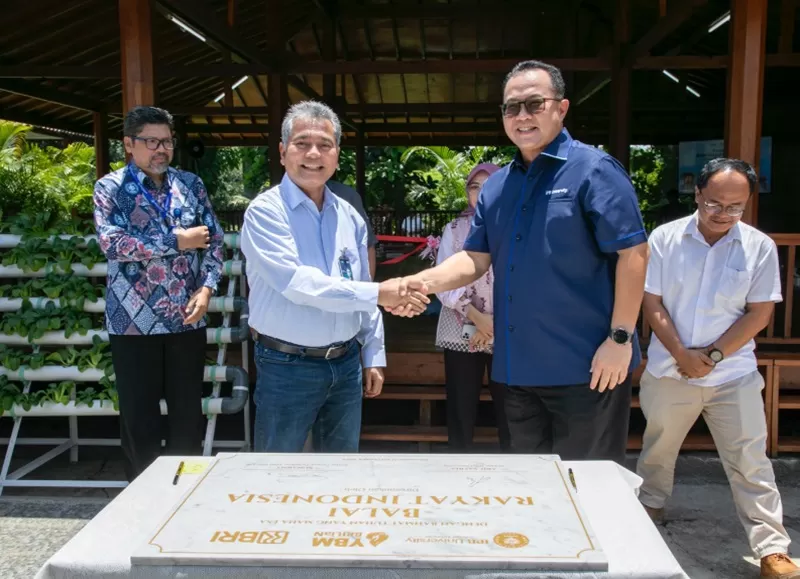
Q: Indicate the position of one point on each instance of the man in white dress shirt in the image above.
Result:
(313, 305)
(712, 283)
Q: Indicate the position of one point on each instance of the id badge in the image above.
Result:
(344, 266)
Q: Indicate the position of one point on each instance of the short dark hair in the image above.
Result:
(556, 78)
(724, 165)
(140, 116)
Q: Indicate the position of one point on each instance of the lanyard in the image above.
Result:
(164, 211)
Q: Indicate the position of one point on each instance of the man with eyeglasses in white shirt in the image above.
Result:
(712, 283)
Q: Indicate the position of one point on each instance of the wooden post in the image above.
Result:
(228, 98)
(329, 55)
(138, 81)
(786, 38)
(620, 129)
(361, 167)
(277, 97)
(101, 144)
(746, 87)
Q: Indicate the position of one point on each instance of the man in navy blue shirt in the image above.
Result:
(561, 227)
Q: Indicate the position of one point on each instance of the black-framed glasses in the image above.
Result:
(717, 208)
(153, 143)
(533, 105)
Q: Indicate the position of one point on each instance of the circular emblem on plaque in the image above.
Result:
(511, 540)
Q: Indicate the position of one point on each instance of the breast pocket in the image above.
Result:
(734, 285)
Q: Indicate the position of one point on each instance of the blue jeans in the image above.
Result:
(294, 393)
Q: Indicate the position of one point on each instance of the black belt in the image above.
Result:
(327, 352)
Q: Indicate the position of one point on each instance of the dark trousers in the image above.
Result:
(149, 368)
(572, 421)
(464, 373)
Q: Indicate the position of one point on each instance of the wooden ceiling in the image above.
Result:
(427, 71)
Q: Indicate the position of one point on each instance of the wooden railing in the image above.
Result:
(787, 254)
(412, 223)
(784, 312)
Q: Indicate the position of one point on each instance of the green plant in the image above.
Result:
(32, 323)
(34, 253)
(448, 175)
(14, 358)
(10, 393)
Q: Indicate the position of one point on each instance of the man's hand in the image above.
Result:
(404, 297)
(193, 238)
(610, 365)
(373, 382)
(479, 340)
(694, 363)
(197, 306)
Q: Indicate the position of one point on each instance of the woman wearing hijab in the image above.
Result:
(466, 333)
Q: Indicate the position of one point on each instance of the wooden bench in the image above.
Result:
(420, 377)
(783, 397)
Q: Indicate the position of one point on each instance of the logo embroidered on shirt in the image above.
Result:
(556, 192)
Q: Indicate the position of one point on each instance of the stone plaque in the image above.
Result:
(362, 510)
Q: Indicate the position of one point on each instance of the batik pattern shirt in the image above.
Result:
(150, 281)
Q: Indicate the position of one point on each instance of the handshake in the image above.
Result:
(404, 297)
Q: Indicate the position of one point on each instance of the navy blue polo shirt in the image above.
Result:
(553, 230)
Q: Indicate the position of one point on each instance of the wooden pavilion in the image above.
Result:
(404, 72)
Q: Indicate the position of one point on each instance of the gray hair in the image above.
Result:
(313, 111)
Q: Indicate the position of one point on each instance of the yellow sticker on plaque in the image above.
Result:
(194, 466)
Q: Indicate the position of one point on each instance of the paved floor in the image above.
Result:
(701, 529)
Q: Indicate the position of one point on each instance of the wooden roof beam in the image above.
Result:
(459, 11)
(51, 95)
(263, 128)
(217, 33)
(222, 70)
(680, 11)
(35, 120)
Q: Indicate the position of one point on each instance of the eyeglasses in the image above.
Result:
(533, 105)
(152, 143)
(716, 208)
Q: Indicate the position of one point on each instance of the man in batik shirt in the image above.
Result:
(164, 248)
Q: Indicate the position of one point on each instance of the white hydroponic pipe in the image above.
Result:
(215, 305)
(229, 268)
(99, 270)
(7, 241)
(226, 405)
(14, 304)
(55, 339)
(53, 373)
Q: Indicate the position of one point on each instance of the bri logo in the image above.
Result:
(552, 192)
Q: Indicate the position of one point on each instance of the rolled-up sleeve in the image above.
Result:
(370, 334)
(610, 201)
(652, 284)
(765, 285)
(271, 253)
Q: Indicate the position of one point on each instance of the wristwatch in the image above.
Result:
(620, 336)
(716, 355)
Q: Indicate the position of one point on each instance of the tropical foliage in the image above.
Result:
(36, 180)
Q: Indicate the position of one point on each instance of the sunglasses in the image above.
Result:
(533, 105)
(153, 144)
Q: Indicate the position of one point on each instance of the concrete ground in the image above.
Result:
(701, 529)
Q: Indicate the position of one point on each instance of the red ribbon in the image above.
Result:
(421, 242)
